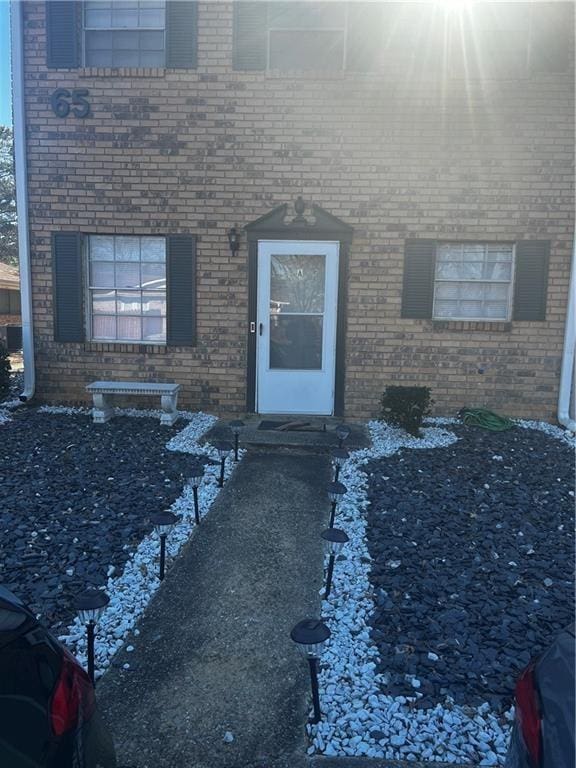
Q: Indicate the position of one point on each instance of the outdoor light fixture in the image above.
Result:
(335, 491)
(163, 524)
(196, 475)
(223, 451)
(339, 458)
(236, 427)
(90, 606)
(234, 239)
(309, 635)
(334, 539)
(342, 433)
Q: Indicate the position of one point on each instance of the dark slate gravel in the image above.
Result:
(473, 561)
(78, 495)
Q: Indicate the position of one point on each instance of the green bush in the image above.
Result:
(406, 407)
(5, 369)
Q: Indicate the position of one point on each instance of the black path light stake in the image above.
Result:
(236, 427)
(334, 539)
(335, 491)
(309, 635)
(196, 475)
(90, 606)
(223, 451)
(163, 523)
(339, 457)
(342, 433)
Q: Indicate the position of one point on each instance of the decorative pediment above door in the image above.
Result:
(299, 221)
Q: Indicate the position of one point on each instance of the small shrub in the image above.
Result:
(5, 369)
(406, 407)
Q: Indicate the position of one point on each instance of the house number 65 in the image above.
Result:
(64, 101)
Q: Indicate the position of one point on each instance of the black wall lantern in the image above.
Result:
(234, 239)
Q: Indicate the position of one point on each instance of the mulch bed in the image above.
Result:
(473, 560)
(75, 499)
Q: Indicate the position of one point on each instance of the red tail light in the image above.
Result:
(73, 699)
(528, 714)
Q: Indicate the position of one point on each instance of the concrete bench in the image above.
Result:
(101, 392)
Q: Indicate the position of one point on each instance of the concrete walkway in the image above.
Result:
(214, 652)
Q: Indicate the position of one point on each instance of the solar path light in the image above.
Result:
(342, 433)
(196, 475)
(223, 451)
(309, 635)
(90, 605)
(335, 492)
(339, 457)
(334, 540)
(163, 524)
(236, 427)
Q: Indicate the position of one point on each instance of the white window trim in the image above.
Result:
(510, 283)
(119, 29)
(343, 29)
(88, 314)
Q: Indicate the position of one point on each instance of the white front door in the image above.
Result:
(296, 326)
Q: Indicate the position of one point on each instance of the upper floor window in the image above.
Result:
(121, 33)
(487, 40)
(305, 35)
(292, 35)
(124, 33)
(473, 281)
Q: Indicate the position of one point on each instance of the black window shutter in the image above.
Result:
(250, 32)
(62, 49)
(68, 288)
(418, 287)
(531, 279)
(364, 36)
(181, 290)
(181, 34)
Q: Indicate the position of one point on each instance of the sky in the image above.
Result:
(5, 99)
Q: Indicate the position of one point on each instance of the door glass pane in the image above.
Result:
(296, 342)
(297, 284)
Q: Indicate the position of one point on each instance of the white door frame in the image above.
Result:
(296, 391)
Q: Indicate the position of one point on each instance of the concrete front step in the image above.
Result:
(321, 439)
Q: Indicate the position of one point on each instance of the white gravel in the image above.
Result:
(131, 591)
(359, 719)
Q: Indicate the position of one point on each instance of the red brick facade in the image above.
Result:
(392, 155)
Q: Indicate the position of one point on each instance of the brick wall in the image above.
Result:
(393, 156)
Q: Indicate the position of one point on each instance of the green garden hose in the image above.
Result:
(480, 417)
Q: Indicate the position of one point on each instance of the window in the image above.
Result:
(307, 36)
(304, 35)
(124, 33)
(473, 281)
(9, 302)
(127, 288)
